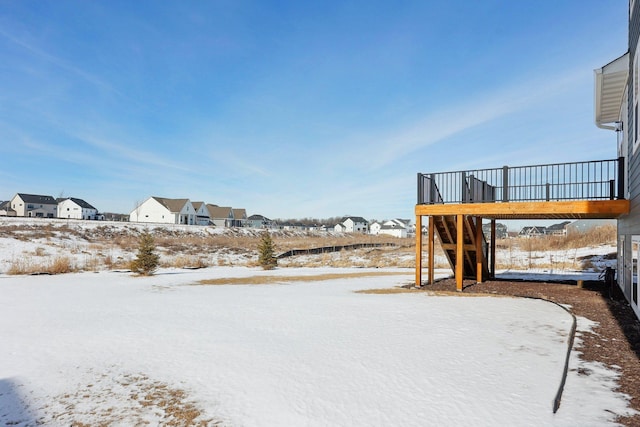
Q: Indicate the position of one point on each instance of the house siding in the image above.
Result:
(629, 225)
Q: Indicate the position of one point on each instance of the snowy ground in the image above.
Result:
(111, 348)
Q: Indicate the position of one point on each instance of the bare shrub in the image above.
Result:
(60, 265)
(185, 261)
(108, 262)
(20, 266)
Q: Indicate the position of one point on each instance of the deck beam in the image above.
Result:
(573, 209)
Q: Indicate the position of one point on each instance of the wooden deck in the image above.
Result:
(566, 209)
(459, 227)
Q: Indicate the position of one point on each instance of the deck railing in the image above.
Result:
(592, 180)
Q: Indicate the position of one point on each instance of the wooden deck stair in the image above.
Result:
(446, 228)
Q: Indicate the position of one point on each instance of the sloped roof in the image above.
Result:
(79, 202)
(530, 229)
(173, 205)
(354, 219)
(197, 205)
(558, 227)
(239, 213)
(37, 198)
(258, 218)
(219, 211)
(6, 206)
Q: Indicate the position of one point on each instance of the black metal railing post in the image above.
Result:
(505, 183)
(621, 175)
(420, 187)
(432, 189)
(463, 187)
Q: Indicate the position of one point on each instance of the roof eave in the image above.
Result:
(610, 84)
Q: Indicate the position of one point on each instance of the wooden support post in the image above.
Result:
(492, 269)
(479, 254)
(418, 250)
(460, 252)
(431, 249)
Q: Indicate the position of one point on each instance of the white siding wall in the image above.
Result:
(203, 213)
(152, 211)
(70, 209)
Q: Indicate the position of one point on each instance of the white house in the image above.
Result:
(352, 224)
(165, 211)
(76, 209)
(34, 205)
(395, 227)
(374, 228)
(202, 213)
(220, 216)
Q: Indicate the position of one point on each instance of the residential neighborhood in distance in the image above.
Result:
(162, 210)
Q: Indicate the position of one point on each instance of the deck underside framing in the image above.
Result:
(575, 209)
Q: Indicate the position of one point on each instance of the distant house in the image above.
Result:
(239, 217)
(202, 213)
(220, 216)
(502, 232)
(111, 216)
(5, 209)
(74, 208)
(532, 231)
(259, 221)
(34, 205)
(374, 228)
(395, 227)
(165, 211)
(557, 229)
(352, 224)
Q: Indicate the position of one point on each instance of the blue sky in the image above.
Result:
(293, 109)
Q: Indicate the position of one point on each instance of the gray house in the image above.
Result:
(616, 108)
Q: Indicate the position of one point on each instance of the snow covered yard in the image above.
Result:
(106, 347)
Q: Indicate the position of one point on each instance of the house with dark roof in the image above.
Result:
(532, 231)
(352, 224)
(559, 229)
(165, 211)
(34, 205)
(75, 208)
(259, 221)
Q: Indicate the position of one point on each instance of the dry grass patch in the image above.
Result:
(263, 280)
(58, 265)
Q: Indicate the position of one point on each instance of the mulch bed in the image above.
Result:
(616, 340)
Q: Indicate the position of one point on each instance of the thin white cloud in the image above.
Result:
(454, 119)
(94, 80)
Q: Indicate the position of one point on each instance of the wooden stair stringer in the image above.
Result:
(446, 228)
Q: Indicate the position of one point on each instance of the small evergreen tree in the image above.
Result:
(266, 251)
(147, 260)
